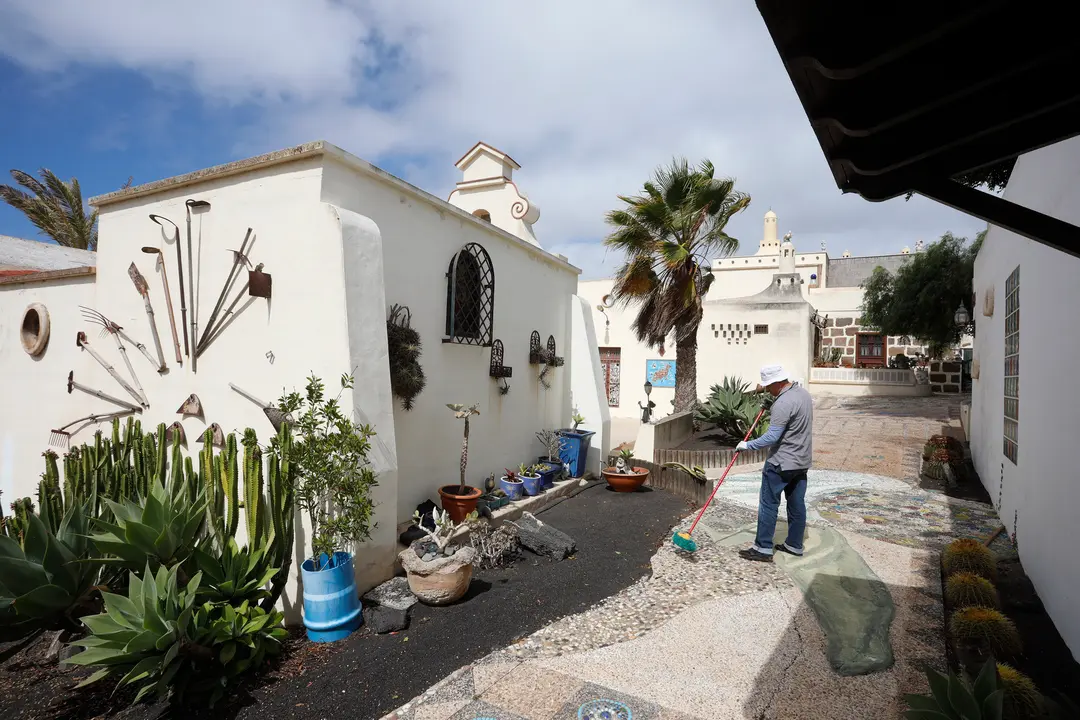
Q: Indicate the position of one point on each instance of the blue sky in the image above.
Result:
(589, 98)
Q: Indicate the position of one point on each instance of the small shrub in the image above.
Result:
(1023, 701)
(971, 556)
(495, 547)
(969, 590)
(987, 628)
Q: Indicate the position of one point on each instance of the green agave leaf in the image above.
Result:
(987, 681)
(961, 699)
(256, 625)
(22, 576)
(143, 692)
(92, 641)
(146, 640)
(44, 601)
(130, 556)
(922, 702)
(993, 705)
(36, 540)
(99, 675)
(104, 626)
(166, 544)
(208, 565)
(279, 633)
(228, 650)
(171, 654)
(10, 549)
(101, 656)
(141, 536)
(122, 610)
(925, 715)
(153, 512)
(939, 686)
(142, 670)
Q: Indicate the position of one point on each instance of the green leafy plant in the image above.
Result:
(577, 419)
(529, 471)
(159, 640)
(444, 527)
(829, 357)
(464, 413)
(403, 344)
(969, 555)
(696, 472)
(985, 628)
(1023, 701)
(236, 575)
(46, 580)
(969, 590)
(732, 408)
(952, 698)
(333, 477)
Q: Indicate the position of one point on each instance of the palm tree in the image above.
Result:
(55, 207)
(669, 235)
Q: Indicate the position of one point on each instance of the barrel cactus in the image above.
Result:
(969, 555)
(986, 628)
(1023, 701)
(964, 589)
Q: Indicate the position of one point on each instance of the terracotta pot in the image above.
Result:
(459, 506)
(625, 483)
(440, 581)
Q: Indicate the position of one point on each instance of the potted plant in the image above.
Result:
(530, 475)
(512, 485)
(623, 477)
(461, 499)
(551, 462)
(438, 573)
(574, 450)
(333, 487)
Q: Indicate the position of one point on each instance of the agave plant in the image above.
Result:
(46, 580)
(159, 640)
(954, 699)
(235, 575)
(732, 408)
(162, 530)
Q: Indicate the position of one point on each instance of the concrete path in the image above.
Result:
(709, 636)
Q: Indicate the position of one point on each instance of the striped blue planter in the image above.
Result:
(331, 600)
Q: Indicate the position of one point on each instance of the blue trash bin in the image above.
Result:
(331, 600)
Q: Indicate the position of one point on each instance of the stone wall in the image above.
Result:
(841, 332)
(945, 376)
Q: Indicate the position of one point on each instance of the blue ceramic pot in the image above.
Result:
(331, 600)
(513, 490)
(547, 476)
(532, 484)
(575, 450)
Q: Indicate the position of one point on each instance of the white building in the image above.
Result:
(343, 241)
(1025, 404)
(776, 305)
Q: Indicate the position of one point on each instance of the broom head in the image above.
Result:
(683, 541)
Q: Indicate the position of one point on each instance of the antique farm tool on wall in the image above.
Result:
(212, 333)
(176, 430)
(168, 300)
(217, 436)
(188, 205)
(259, 282)
(180, 272)
(273, 414)
(144, 290)
(83, 343)
(60, 438)
(239, 257)
(108, 326)
(72, 385)
(191, 406)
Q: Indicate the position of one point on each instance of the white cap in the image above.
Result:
(771, 374)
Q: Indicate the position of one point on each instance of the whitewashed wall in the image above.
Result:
(1036, 496)
(34, 389)
(533, 291)
(747, 275)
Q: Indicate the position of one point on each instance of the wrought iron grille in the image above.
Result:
(470, 297)
(535, 355)
(497, 369)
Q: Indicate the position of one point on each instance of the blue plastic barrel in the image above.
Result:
(331, 600)
(574, 450)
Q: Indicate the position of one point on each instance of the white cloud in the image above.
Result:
(588, 97)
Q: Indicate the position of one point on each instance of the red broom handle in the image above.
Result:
(724, 476)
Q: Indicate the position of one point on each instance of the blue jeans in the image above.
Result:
(792, 483)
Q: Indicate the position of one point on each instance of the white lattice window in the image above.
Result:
(1010, 444)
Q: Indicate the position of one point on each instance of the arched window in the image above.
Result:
(482, 214)
(470, 297)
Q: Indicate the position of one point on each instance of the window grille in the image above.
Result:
(470, 297)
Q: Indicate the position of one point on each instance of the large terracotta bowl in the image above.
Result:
(625, 483)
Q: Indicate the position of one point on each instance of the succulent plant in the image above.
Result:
(47, 580)
(235, 575)
(696, 472)
(1023, 701)
(986, 628)
(965, 589)
(971, 556)
(952, 698)
(159, 640)
(403, 343)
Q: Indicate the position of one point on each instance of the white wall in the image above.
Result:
(34, 389)
(533, 291)
(747, 275)
(588, 392)
(1036, 497)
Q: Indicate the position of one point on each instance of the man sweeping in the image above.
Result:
(790, 435)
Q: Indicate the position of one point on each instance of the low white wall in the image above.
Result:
(588, 392)
(1034, 496)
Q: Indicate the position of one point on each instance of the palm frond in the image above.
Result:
(54, 207)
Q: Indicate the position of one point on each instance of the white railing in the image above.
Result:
(862, 376)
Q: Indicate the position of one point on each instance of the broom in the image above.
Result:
(682, 540)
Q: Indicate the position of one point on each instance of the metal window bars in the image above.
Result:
(470, 297)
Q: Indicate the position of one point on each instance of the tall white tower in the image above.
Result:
(787, 256)
(770, 245)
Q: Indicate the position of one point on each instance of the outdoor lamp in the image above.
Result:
(961, 318)
(648, 388)
(646, 409)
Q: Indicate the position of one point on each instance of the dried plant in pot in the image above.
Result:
(439, 573)
(623, 476)
(461, 499)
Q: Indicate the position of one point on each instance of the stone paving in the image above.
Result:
(711, 636)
